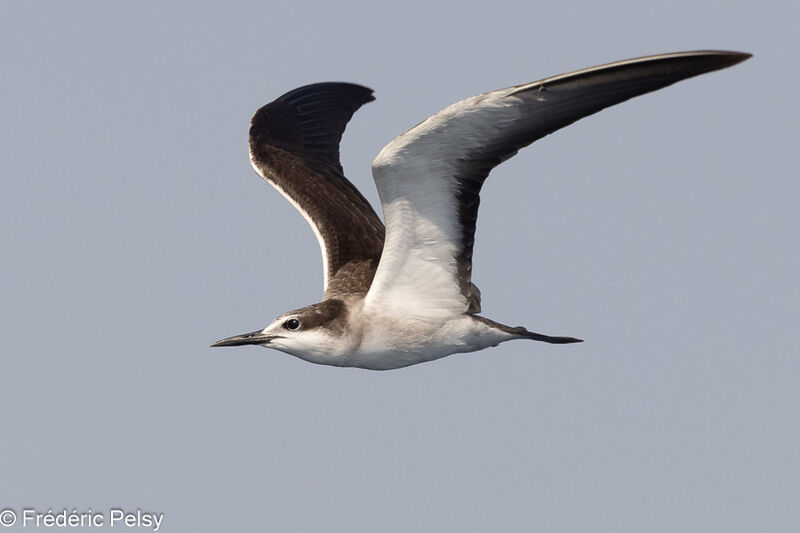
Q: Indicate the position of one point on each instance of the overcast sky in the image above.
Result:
(663, 231)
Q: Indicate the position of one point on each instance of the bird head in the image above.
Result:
(313, 333)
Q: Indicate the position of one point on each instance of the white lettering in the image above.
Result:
(76, 519)
(115, 515)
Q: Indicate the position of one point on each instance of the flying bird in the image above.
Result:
(403, 294)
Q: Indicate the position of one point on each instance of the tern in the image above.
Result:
(403, 294)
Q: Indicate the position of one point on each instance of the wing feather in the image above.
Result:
(430, 177)
(294, 146)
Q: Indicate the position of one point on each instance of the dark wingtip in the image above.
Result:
(341, 90)
(702, 61)
(309, 120)
(729, 58)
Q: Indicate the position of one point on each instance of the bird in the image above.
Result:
(402, 294)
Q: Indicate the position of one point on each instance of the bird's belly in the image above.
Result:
(409, 344)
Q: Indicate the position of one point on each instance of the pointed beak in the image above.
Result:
(254, 337)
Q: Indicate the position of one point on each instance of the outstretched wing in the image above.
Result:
(294, 146)
(429, 178)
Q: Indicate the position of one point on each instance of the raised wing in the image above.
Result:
(429, 178)
(294, 146)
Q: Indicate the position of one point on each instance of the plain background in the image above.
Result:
(663, 231)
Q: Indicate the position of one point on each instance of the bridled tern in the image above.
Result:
(403, 294)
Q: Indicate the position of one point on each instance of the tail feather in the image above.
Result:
(547, 338)
(524, 333)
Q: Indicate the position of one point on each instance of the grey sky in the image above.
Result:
(663, 231)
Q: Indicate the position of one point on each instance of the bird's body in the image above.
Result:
(403, 294)
(382, 342)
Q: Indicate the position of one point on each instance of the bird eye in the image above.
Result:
(292, 324)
